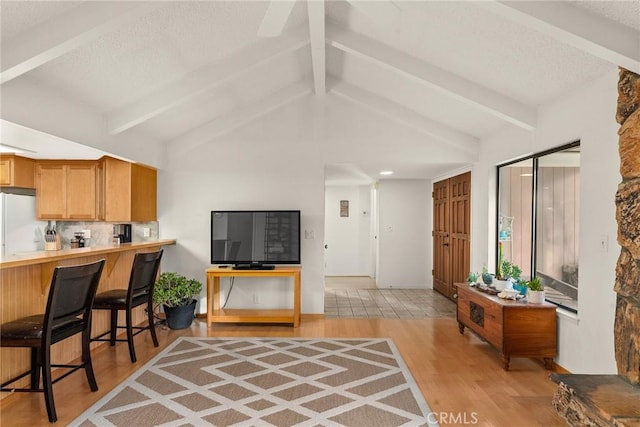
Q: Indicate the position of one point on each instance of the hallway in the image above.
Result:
(358, 298)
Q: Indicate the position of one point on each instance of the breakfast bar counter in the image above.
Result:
(24, 286)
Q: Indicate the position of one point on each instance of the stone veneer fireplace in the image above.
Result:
(595, 400)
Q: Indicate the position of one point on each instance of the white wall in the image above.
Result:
(349, 238)
(404, 235)
(272, 164)
(586, 341)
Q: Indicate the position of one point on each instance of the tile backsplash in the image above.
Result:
(102, 232)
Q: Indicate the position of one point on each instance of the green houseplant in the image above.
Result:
(178, 295)
(505, 271)
(536, 291)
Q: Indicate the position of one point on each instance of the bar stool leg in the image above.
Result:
(47, 385)
(35, 367)
(132, 350)
(86, 360)
(152, 324)
(114, 327)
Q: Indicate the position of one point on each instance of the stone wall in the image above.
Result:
(627, 322)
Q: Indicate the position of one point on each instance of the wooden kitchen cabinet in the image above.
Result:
(16, 171)
(67, 190)
(130, 191)
(514, 328)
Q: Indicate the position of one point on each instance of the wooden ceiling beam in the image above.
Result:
(463, 90)
(576, 27)
(410, 118)
(381, 12)
(61, 34)
(275, 18)
(204, 79)
(233, 120)
(315, 9)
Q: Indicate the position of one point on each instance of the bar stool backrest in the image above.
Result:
(71, 296)
(143, 274)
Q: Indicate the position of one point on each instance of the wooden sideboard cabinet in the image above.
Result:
(514, 328)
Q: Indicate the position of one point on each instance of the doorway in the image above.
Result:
(349, 236)
(451, 232)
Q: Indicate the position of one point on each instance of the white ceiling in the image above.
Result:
(454, 71)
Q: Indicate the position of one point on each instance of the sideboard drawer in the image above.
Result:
(482, 317)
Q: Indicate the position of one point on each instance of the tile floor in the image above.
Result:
(386, 303)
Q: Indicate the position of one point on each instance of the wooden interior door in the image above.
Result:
(441, 260)
(451, 232)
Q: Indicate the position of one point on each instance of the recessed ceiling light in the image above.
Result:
(386, 173)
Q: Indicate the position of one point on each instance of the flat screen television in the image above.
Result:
(255, 239)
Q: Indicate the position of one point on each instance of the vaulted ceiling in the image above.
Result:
(452, 71)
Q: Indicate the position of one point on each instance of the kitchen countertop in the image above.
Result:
(42, 257)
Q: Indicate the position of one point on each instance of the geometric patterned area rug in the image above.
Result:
(267, 382)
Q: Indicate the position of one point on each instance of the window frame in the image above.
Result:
(534, 204)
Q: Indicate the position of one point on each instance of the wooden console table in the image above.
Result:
(514, 328)
(217, 314)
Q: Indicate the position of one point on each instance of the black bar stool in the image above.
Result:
(140, 291)
(68, 313)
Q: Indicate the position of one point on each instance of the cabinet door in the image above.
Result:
(5, 171)
(16, 171)
(51, 189)
(81, 191)
(143, 193)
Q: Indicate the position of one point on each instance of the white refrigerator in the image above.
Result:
(19, 232)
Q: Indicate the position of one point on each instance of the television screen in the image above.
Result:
(255, 237)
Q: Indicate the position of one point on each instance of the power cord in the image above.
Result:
(232, 281)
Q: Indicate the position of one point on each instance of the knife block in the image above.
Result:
(53, 246)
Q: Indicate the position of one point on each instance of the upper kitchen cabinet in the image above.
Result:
(130, 191)
(16, 171)
(68, 189)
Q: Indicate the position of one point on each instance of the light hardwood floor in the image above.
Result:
(459, 375)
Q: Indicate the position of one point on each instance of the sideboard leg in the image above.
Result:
(505, 362)
(548, 363)
(461, 327)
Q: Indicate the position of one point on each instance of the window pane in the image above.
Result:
(558, 199)
(515, 212)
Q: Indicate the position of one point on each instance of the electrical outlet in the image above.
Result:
(309, 234)
(146, 232)
(256, 299)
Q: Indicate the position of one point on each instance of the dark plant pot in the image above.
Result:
(180, 317)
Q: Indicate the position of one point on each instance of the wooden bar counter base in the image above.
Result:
(24, 286)
(217, 314)
(514, 328)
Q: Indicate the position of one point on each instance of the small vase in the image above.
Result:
(535, 297)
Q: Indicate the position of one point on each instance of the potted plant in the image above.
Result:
(506, 271)
(536, 291)
(520, 285)
(178, 296)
